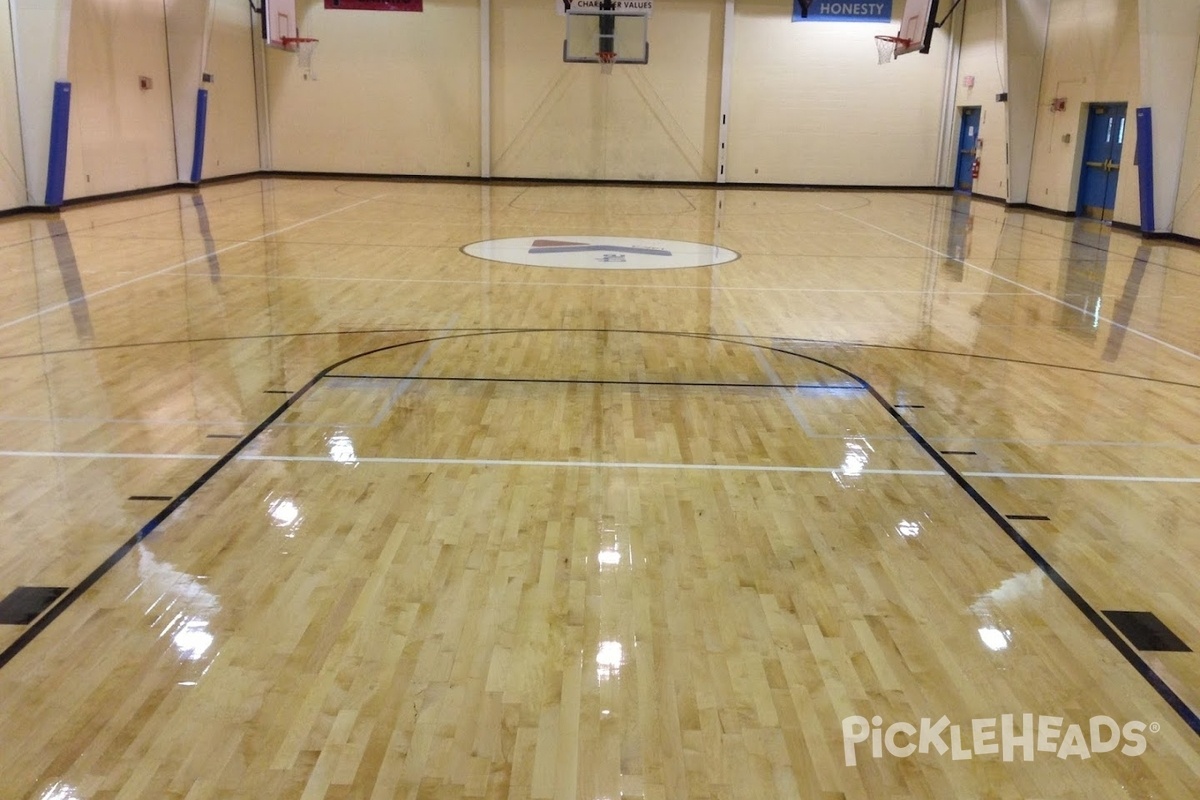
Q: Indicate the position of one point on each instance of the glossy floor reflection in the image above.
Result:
(342, 511)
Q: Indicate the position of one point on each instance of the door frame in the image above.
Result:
(1085, 122)
(958, 143)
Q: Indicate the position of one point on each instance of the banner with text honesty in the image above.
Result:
(843, 11)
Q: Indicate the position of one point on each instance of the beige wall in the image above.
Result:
(811, 103)
(121, 137)
(1187, 210)
(1091, 57)
(399, 93)
(231, 141)
(653, 122)
(12, 159)
(396, 92)
(982, 58)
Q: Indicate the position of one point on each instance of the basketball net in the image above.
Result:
(886, 45)
(305, 50)
(606, 62)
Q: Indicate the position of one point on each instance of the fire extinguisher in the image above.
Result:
(975, 168)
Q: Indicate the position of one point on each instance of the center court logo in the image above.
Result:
(600, 252)
(989, 737)
(540, 246)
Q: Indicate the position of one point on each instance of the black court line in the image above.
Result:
(276, 391)
(32, 632)
(224, 436)
(1177, 704)
(906, 405)
(982, 357)
(149, 497)
(603, 382)
(785, 339)
(959, 453)
(1032, 517)
(1156, 682)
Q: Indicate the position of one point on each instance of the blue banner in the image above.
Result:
(843, 11)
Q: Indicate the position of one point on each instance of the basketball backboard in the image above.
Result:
(916, 26)
(279, 23)
(616, 37)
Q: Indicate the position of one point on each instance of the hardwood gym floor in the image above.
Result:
(307, 502)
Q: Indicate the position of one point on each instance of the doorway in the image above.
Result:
(964, 177)
(1101, 160)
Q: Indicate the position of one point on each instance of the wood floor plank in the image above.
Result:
(664, 539)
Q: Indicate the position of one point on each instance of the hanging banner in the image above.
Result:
(843, 11)
(375, 5)
(623, 6)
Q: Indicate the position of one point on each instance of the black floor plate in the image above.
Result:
(25, 603)
(1146, 631)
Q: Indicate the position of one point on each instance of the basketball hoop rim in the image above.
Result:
(895, 40)
(290, 40)
(606, 57)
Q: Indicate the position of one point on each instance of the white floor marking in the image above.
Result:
(1059, 477)
(501, 462)
(202, 257)
(131, 456)
(581, 285)
(1029, 289)
(773, 376)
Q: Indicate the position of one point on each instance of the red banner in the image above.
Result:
(375, 5)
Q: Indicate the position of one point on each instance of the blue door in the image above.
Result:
(968, 134)
(1101, 160)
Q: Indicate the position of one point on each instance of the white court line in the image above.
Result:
(773, 376)
(519, 284)
(131, 456)
(1029, 289)
(241, 423)
(500, 462)
(1059, 477)
(156, 273)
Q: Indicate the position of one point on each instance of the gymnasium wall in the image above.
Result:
(396, 92)
(12, 158)
(231, 140)
(1091, 57)
(1187, 211)
(121, 137)
(982, 58)
(811, 104)
(399, 93)
(654, 122)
